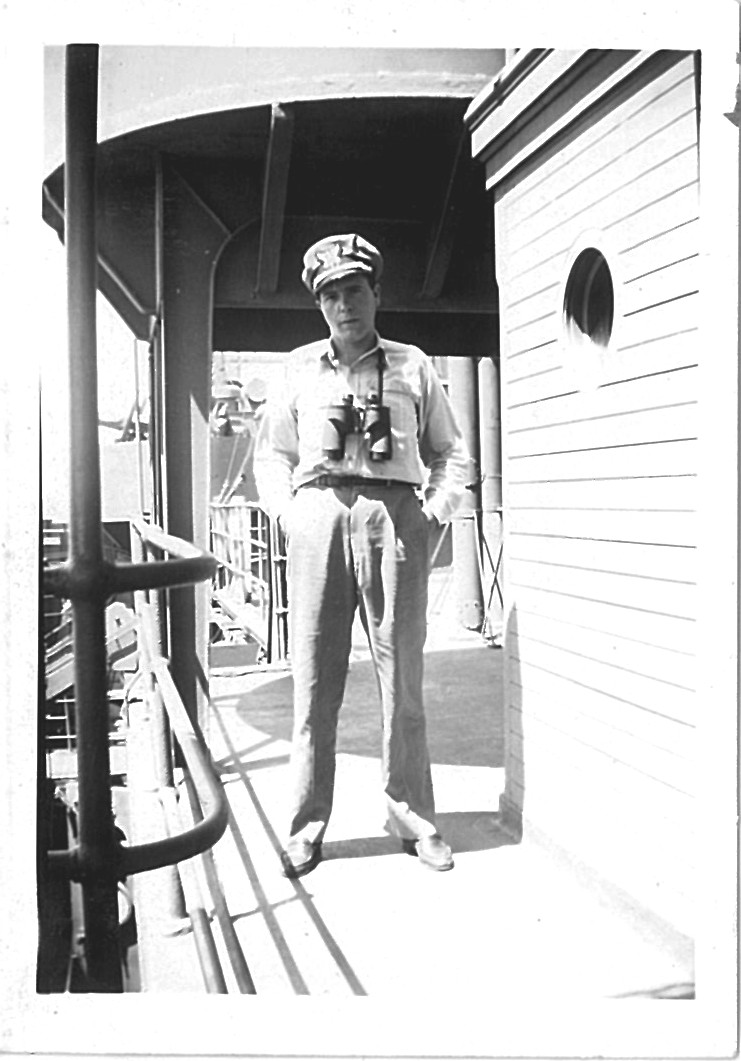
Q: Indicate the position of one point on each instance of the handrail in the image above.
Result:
(87, 579)
(206, 832)
(242, 974)
(237, 525)
(75, 863)
(203, 937)
(191, 564)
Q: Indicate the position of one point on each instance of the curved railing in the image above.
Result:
(211, 795)
(186, 564)
(88, 580)
(189, 565)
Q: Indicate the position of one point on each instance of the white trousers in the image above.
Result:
(368, 548)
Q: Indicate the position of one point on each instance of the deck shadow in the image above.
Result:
(464, 830)
(463, 707)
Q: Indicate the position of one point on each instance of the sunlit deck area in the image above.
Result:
(513, 919)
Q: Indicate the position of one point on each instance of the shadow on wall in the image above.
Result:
(512, 801)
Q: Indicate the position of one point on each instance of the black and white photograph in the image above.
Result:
(371, 534)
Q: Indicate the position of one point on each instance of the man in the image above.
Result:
(339, 474)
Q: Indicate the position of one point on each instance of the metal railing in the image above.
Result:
(190, 565)
(490, 557)
(250, 583)
(207, 803)
(98, 860)
(96, 864)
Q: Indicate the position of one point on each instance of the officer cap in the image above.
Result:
(336, 256)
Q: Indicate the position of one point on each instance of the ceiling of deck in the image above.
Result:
(275, 177)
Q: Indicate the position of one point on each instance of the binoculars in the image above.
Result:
(345, 418)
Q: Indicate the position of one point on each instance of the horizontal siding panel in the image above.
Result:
(641, 241)
(543, 751)
(611, 429)
(643, 392)
(668, 666)
(538, 308)
(628, 138)
(617, 788)
(656, 180)
(667, 191)
(534, 357)
(614, 191)
(581, 720)
(663, 339)
(659, 492)
(632, 138)
(673, 209)
(640, 211)
(642, 250)
(538, 385)
(526, 359)
(666, 342)
(679, 457)
(641, 722)
(533, 330)
(641, 842)
(651, 322)
(649, 629)
(540, 313)
(600, 466)
(540, 318)
(653, 562)
(661, 284)
(651, 595)
(533, 272)
(659, 528)
(661, 110)
(533, 302)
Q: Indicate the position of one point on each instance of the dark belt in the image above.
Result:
(354, 480)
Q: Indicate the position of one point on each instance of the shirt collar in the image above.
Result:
(329, 355)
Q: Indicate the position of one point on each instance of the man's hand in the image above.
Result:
(432, 520)
(282, 520)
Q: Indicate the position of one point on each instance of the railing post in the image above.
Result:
(464, 398)
(161, 733)
(491, 487)
(96, 838)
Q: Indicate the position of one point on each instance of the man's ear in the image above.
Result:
(377, 293)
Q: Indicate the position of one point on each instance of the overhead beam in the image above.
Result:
(119, 292)
(441, 248)
(277, 165)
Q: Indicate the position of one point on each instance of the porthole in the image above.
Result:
(589, 300)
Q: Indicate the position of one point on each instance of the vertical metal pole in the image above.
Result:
(156, 395)
(138, 429)
(100, 901)
(464, 398)
(159, 732)
(491, 478)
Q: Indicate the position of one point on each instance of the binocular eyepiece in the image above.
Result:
(345, 418)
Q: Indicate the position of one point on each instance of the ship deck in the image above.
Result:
(514, 918)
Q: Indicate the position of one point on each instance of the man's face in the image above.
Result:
(349, 306)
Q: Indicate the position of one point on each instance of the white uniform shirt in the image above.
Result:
(427, 445)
